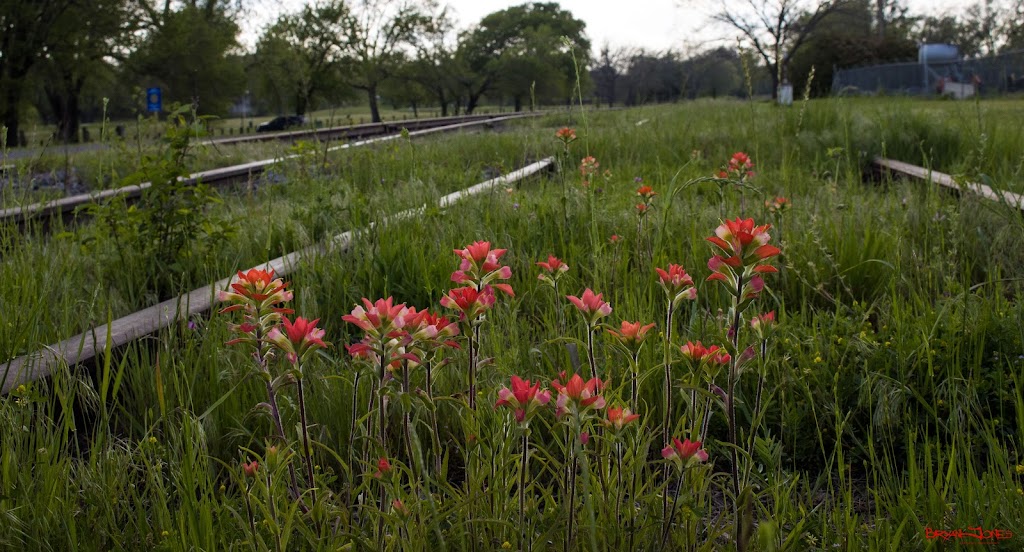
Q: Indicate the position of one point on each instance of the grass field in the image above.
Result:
(878, 409)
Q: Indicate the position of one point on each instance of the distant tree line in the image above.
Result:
(59, 59)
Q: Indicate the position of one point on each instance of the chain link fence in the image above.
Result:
(999, 74)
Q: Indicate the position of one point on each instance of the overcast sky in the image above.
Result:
(653, 24)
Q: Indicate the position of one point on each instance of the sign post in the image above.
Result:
(154, 102)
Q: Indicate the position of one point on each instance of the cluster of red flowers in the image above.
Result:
(258, 294)
(777, 205)
(740, 167)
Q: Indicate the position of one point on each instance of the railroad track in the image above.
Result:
(67, 206)
(348, 132)
(88, 346)
(948, 182)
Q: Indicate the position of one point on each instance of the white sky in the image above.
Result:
(653, 24)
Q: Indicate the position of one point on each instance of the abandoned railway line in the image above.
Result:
(361, 135)
(86, 347)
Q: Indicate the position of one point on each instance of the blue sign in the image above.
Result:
(153, 101)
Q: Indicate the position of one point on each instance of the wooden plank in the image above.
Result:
(950, 183)
(213, 176)
(90, 344)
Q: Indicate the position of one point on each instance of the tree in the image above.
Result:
(714, 73)
(301, 55)
(436, 68)
(191, 53)
(376, 31)
(27, 29)
(608, 68)
(1013, 26)
(777, 29)
(520, 47)
(76, 54)
(653, 77)
(845, 38)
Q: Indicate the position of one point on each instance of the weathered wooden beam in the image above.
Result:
(946, 181)
(92, 343)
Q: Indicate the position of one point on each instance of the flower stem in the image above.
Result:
(275, 413)
(474, 336)
(352, 438)
(572, 500)
(668, 525)
(405, 420)
(634, 370)
(667, 424)
(248, 514)
(731, 407)
(590, 352)
(523, 470)
(433, 419)
(307, 455)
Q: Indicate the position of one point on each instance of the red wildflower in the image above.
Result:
(523, 398)
(588, 166)
(250, 468)
(619, 417)
(468, 301)
(480, 266)
(591, 306)
(646, 192)
(700, 355)
(566, 135)
(383, 467)
(298, 338)
(578, 393)
(631, 334)
(682, 452)
(777, 205)
(553, 264)
(678, 285)
(379, 318)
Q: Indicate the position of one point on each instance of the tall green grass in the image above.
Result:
(894, 399)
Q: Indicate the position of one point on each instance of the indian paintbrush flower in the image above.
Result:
(591, 306)
(777, 205)
(383, 467)
(578, 394)
(468, 301)
(701, 356)
(619, 417)
(524, 399)
(740, 167)
(678, 285)
(566, 135)
(480, 267)
(684, 453)
(554, 268)
(631, 334)
(298, 339)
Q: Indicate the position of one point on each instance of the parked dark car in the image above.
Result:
(281, 123)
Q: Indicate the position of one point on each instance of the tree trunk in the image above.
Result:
(415, 111)
(64, 102)
(442, 100)
(371, 92)
(474, 99)
(518, 102)
(9, 115)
